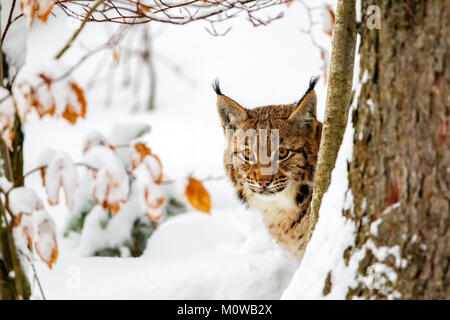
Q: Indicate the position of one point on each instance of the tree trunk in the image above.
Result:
(13, 281)
(147, 56)
(338, 102)
(399, 175)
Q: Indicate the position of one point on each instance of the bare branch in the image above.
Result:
(209, 178)
(77, 32)
(35, 275)
(9, 22)
(183, 12)
(309, 32)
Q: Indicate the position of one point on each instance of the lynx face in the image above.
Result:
(272, 151)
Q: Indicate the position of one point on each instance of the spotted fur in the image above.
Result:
(285, 199)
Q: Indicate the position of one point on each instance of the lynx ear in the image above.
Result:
(230, 112)
(304, 112)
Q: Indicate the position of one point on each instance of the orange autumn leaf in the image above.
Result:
(160, 176)
(329, 22)
(197, 195)
(7, 115)
(33, 97)
(332, 17)
(153, 210)
(44, 16)
(144, 8)
(111, 181)
(7, 136)
(53, 257)
(142, 151)
(288, 2)
(59, 173)
(27, 233)
(42, 93)
(113, 206)
(36, 8)
(42, 171)
(80, 97)
(18, 220)
(138, 156)
(116, 56)
(26, 230)
(45, 244)
(71, 113)
(323, 56)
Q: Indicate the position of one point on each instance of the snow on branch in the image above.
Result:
(34, 229)
(45, 91)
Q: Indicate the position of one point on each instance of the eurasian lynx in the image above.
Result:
(280, 188)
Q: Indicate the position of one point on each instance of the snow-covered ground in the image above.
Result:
(229, 253)
(193, 256)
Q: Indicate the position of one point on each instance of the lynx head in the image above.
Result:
(272, 150)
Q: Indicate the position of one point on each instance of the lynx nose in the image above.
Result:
(264, 182)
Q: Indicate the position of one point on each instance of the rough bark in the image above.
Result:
(338, 101)
(17, 286)
(13, 281)
(400, 167)
(6, 290)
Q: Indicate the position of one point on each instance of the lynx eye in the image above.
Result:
(248, 155)
(283, 153)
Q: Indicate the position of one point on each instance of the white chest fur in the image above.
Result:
(281, 216)
(273, 206)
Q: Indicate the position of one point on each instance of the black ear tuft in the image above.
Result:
(312, 84)
(304, 111)
(230, 112)
(216, 86)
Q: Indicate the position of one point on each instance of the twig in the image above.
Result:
(133, 12)
(35, 275)
(13, 4)
(214, 32)
(115, 38)
(148, 56)
(81, 164)
(309, 32)
(121, 146)
(77, 164)
(77, 32)
(210, 178)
